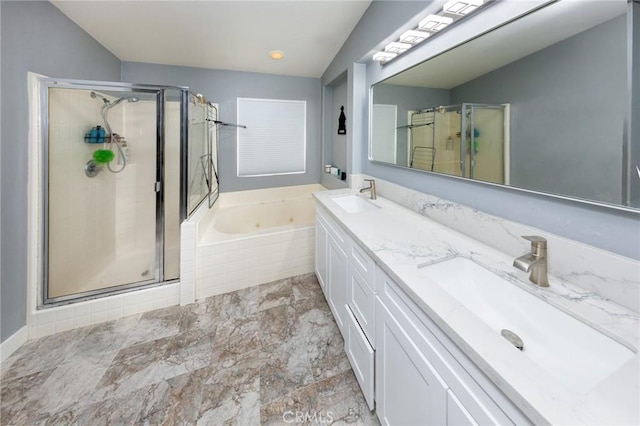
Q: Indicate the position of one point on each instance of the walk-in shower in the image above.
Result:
(115, 169)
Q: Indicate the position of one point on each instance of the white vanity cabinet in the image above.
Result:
(337, 284)
(360, 339)
(406, 366)
(346, 274)
(331, 265)
(422, 377)
(409, 390)
(322, 251)
(361, 297)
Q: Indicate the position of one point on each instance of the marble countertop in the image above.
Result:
(400, 240)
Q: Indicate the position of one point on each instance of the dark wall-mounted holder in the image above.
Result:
(342, 122)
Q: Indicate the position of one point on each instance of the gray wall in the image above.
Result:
(223, 88)
(408, 98)
(568, 104)
(609, 229)
(36, 37)
(380, 20)
(334, 146)
(339, 151)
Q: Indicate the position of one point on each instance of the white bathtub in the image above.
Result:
(254, 237)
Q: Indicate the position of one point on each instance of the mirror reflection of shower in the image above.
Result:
(109, 139)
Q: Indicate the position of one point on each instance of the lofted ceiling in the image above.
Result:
(231, 35)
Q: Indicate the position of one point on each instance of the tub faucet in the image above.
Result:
(371, 187)
(535, 261)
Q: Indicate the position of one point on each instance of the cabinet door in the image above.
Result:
(408, 389)
(337, 283)
(467, 399)
(322, 248)
(457, 414)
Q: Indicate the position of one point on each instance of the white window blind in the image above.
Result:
(274, 141)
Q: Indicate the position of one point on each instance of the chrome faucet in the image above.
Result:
(371, 187)
(535, 261)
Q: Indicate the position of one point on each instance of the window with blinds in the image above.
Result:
(274, 142)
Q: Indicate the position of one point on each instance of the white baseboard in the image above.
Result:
(13, 343)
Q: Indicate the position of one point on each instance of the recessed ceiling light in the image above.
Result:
(434, 22)
(276, 54)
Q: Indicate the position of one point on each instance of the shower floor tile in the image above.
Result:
(270, 354)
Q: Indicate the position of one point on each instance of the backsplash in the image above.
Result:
(607, 274)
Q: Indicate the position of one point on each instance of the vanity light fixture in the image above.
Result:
(397, 47)
(434, 23)
(461, 7)
(384, 56)
(414, 36)
(452, 11)
(276, 54)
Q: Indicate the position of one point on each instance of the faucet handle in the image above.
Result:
(537, 243)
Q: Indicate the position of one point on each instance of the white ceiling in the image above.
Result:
(509, 43)
(231, 35)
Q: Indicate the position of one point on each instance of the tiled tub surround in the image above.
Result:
(399, 240)
(252, 237)
(261, 355)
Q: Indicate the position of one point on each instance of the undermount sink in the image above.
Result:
(354, 204)
(573, 352)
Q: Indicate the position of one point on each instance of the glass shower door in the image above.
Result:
(484, 142)
(101, 209)
(199, 153)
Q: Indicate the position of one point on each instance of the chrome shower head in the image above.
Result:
(127, 98)
(117, 101)
(106, 101)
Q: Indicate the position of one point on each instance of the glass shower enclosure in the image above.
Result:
(115, 172)
(468, 140)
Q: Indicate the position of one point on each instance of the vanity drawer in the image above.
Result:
(364, 264)
(361, 356)
(362, 302)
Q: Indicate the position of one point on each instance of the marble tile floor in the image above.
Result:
(269, 355)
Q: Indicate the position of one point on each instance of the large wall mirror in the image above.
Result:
(540, 103)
